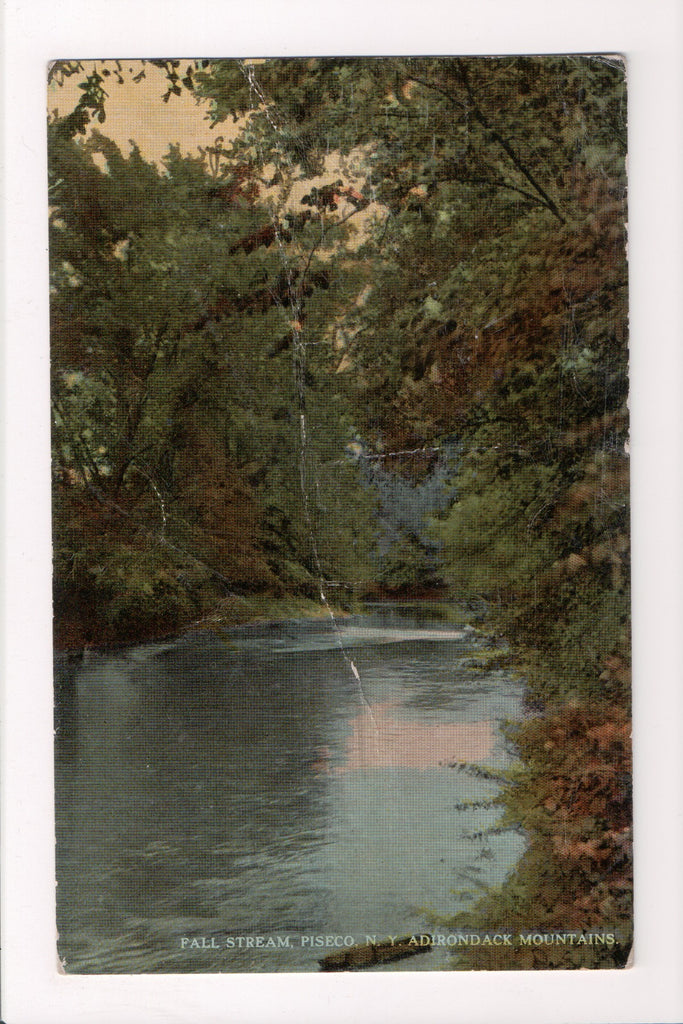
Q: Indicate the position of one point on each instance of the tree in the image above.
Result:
(175, 406)
(486, 300)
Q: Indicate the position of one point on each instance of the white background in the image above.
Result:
(649, 33)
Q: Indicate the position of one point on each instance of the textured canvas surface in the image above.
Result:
(340, 514)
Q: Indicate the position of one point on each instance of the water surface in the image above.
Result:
(227, 804)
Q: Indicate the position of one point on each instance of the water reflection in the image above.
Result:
(380, 739)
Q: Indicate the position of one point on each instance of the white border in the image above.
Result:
(649, 33)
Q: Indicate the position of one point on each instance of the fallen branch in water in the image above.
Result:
(371, 953)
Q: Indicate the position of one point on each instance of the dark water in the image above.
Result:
(227, 804)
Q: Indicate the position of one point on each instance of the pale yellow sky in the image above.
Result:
(136, 111)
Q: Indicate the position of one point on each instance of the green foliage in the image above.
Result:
(175, 402)
(490, 543)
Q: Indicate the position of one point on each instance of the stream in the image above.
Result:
(256, 800)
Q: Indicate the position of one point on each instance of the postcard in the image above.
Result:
(339, 382)
(331, 349)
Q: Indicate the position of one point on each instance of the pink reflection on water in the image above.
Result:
(380, 740)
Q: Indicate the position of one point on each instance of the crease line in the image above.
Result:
(299, 361)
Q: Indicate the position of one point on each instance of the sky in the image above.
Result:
(136, 112)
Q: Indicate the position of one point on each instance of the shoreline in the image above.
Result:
(257, 608)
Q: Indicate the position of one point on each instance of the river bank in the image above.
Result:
(570, 794)
(84, 625)
(76, 632)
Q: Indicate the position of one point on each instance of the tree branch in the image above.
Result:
(505, 145)
(113, 506)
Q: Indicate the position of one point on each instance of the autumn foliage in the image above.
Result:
(572, 798)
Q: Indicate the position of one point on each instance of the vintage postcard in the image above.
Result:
(340, 456)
